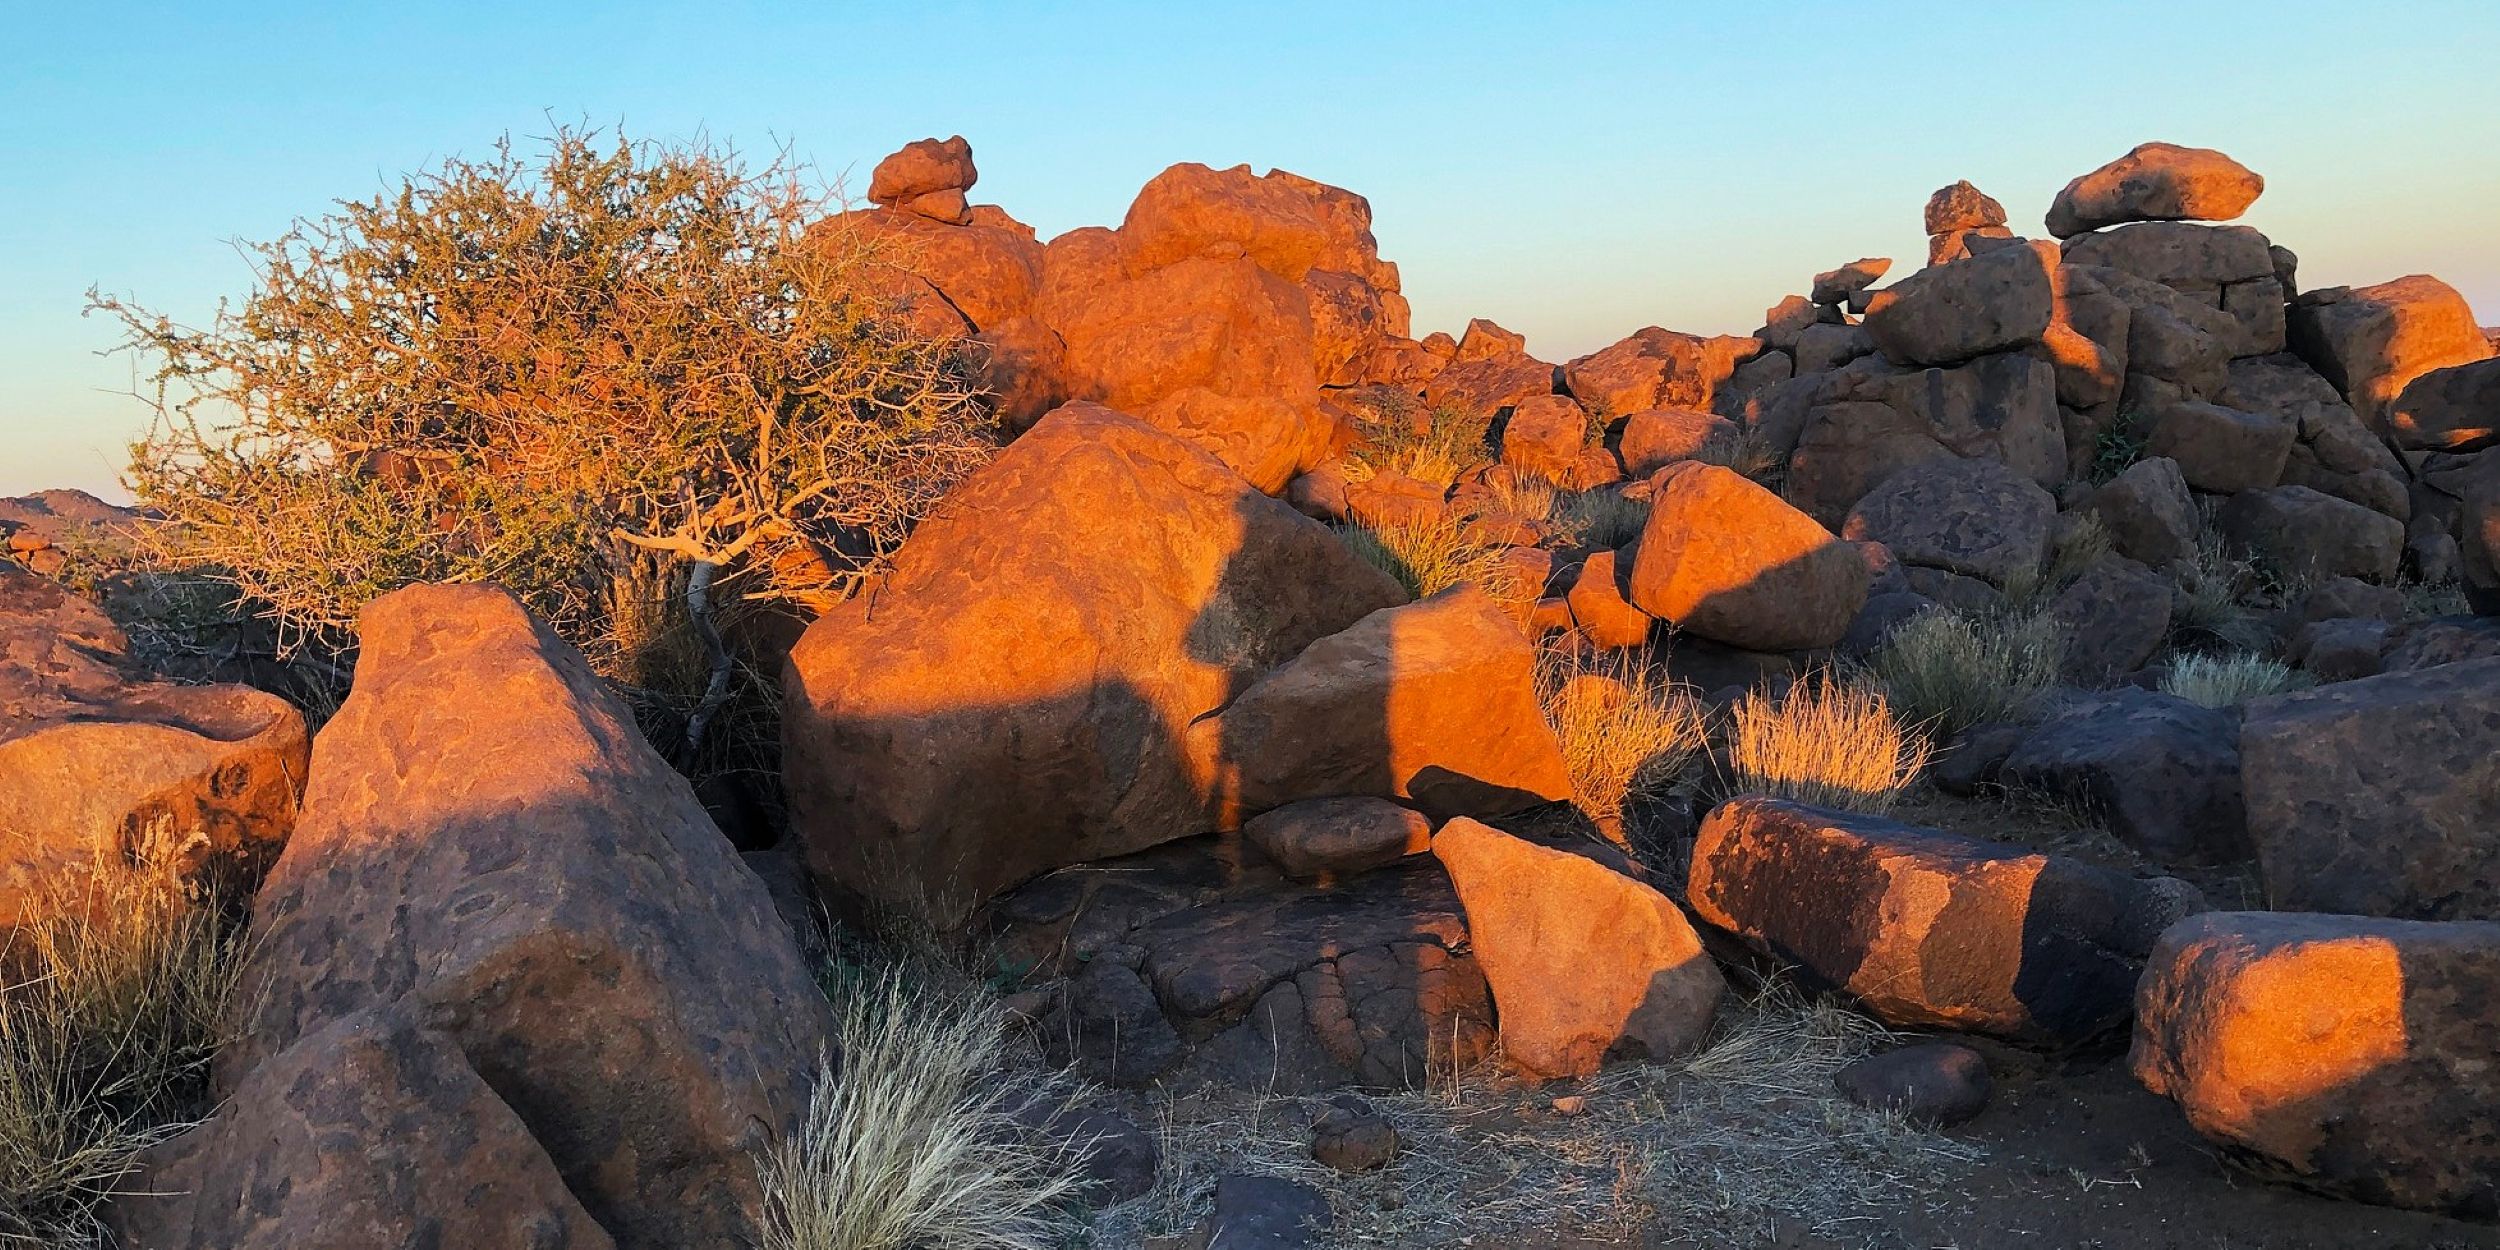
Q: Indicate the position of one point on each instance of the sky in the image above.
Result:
(1573, 171)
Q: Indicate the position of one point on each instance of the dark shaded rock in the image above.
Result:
(1924, 928)
(1976, 517)
(2164, 772)
(1949, 313)
(1352, 1137)
(2441, 640)
(2347, 1055)
(2112, 619)
(1937, 1084)
(2223, 450)
(2453, 409)
(2339, 648)
(2380, 797)
(372, 1131)
(1264, 1213)
(2306, 533)
(2149, 513)
(1319, 839)
(1875, 623)
(1972, 760)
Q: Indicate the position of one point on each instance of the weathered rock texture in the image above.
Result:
(2156, 182)
(1725, 559)
(2380, 797)
(2345, 1054)
(1925, 928)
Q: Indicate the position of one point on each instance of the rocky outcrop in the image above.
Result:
(1926, 929)
(1584, 962)
(927, 177)
(1950, 313)
(105, 762)
(2379, 797)
(1015, 695)
(2339, 1053)
(1978, 518)
(1724, 559)
(490, 851)
(1656, 368)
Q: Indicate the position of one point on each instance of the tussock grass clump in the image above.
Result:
(1428, 557)
(925, 1137)
(1626, 732)
(1828, 742)
(1947, 672)
(109, 1015)
(1598, 519)
(1437, 445)
(2221, 681)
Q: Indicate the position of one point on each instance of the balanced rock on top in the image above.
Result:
(928, 177)
(2156, 182)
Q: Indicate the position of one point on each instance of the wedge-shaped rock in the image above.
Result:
(2340, 1053)
(2380, 797)
(1015, 696)
(489, 844)
(1583, 961)
(1728, 560)
(1433, 703)
(2156, 182)
(1925, 928)
(372, 1134)
(1656, 368)
(100, 760)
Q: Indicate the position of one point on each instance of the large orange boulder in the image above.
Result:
(489, 847)
(2373, 341)
(1014, 696)
(102, 761)
(1727, 560)
(1433, 703)
(2156, 182)
(1657, 368)
(1927, 929)
(2343, 1054)
(1584, 962)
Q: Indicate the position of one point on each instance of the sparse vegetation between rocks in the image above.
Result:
(1626, 731)
(2228, 680)
(1946, 671)
(1829, 741)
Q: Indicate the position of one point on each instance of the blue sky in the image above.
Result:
(1573, 171)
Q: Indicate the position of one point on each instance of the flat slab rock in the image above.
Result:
(2344, 1054)
(1194, 963)
(1926, 928)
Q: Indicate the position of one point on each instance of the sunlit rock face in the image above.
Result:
(2344, 1053)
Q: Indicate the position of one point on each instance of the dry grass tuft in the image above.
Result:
(109, 1017)
(1828, 742)
(1735, 1146)
(924, 1138)
(1947, 672)
(1431, 556)
(1626, 732)
(2221, 681)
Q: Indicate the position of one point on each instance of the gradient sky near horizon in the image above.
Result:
(1574, 171)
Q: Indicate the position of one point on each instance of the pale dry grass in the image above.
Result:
(2222, 681)
(1429, 557)
(1828, 742)
(1626, 731)
(109, 1017)
(924, 1138)
(1945, 672)
(1727, 1148)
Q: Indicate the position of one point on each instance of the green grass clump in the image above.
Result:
(2221, 681)
(1947, 672)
